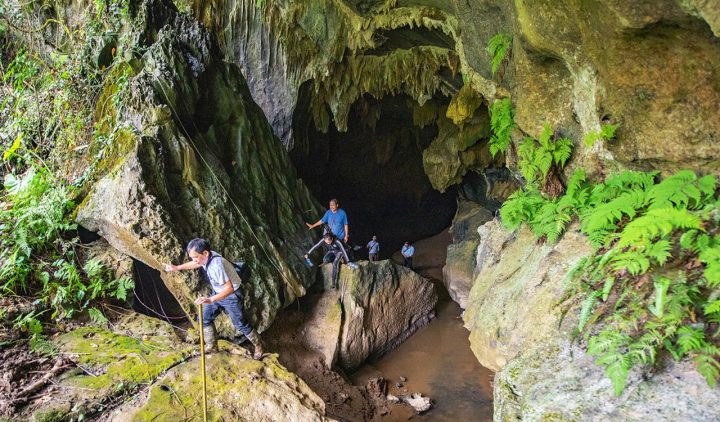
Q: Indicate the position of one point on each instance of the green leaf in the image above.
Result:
(661, 288)
(14, 147)
(97, 316)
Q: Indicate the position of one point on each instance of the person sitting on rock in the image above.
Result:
(334, 252)
(337, 221)
(373, 249)
(227, 295)
(408, 250)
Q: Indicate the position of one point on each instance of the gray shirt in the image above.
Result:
(219, 270)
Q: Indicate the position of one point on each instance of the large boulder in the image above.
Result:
(381, 304)
(238, 388)
(519, 281)
(556, 380)
(191, 155)
(458, 272)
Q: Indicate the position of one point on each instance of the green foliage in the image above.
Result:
(502, 123)
(498, 47)
(654, 282)
(607, 132)
(537, 156)
(49, 97)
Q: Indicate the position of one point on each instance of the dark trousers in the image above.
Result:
(336, 259)
(235, 309)
(373, 257)
(408, 262)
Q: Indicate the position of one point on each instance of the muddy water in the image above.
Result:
(436, 360)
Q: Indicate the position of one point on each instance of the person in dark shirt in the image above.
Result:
(334, 252)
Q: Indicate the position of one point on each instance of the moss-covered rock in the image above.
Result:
(238, 388)
(111, 364)
(513, 300)
(198, 159)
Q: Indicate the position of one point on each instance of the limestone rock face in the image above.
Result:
(556, 380)
(461, 254)
(198, 159)
(651, 67)
(512, 303)
(516, 329)
(382, 304)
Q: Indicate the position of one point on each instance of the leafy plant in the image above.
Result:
(498, 47)
(502, 123)
(653, 284)
(607, 132)
(536, 157)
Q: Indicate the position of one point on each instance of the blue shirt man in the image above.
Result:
(336, 219)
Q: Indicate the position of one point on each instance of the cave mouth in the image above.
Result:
(152, 297)
(375, 170)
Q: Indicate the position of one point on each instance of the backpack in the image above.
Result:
(241, 268)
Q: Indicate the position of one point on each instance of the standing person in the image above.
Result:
(408, 250)
(334, 252)
(336, 219)
(373, 249)
(227, 296)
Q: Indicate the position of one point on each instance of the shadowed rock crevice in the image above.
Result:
(152, 298)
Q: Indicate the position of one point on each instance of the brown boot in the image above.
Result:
(210, 339)
(257, 344)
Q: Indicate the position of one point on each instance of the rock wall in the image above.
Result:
(517, 328)
(458, 272)
(193, 156)
(513, 300)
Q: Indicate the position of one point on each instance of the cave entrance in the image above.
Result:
(375, 170)
(152, 297)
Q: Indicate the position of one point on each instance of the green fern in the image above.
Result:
(502, 122)
(607, 132)
(498, 47)
(536, 157)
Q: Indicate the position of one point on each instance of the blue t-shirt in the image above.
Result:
(336, 221)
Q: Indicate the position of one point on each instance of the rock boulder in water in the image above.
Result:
(382, 304)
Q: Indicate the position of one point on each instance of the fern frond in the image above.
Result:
(502, 123)
(605, 216)
(586, 309)
(676, 190)
(655, 223)
(498, 46)
(709, 367)
(690, 339)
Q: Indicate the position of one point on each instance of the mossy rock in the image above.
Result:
(238, 388)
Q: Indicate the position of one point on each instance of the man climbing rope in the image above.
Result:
(227, 296)
(336, 219)
(408, 250)
(373, 249)
(334, 252)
